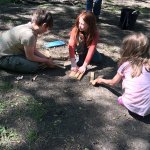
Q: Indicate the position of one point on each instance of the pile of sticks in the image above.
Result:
(76, 75)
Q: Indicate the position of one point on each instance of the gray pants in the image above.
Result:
(18, 63)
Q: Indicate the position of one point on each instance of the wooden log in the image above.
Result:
(93, 81)
(77, 74)
(72, 74)
(92, 76)
(59, 66)
(80, 76)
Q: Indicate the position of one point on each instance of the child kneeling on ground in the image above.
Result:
(134, 71)
(83, 40)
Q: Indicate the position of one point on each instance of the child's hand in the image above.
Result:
(94, 82)
(75, 69)
(82, 69)
(50, 63)
(97, 81)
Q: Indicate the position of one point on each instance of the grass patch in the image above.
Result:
(36, 110)
(32, 136)
(7, 19)
(8, 137)
(32, 107)
(113, 9)
(5, 86)
(143, 10)
(44, 6)
(2, 107)
(110, 1)
(81, 5)
(8, 1)
(13, 103)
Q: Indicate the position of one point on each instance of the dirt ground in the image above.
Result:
(55, 112)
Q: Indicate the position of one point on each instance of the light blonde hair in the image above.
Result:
(136, 49)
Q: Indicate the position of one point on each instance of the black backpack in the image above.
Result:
(128, 18)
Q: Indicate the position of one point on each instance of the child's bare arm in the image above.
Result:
(38, 53)
(30, 55)
(116, 79)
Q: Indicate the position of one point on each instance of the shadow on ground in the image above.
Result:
(55, 112)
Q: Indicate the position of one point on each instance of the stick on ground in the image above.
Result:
(92, 76)
(77, 74)
(60, 66)
(72, 74)
(80, 76)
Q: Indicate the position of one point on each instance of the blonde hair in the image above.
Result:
(136, 49)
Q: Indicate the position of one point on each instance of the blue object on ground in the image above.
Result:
(54, 44)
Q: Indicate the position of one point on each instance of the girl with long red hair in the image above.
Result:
(83, 40)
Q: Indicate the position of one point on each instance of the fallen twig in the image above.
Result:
(34, 78)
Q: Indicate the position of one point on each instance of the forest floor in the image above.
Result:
(51, 111)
